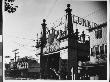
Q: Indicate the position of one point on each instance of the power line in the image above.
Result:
(51, 9)
(20, 37)
(23, 45)
(94, 12)
(90, 14)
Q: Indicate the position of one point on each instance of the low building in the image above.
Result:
(98, 43)
(23, 67)
(96, 68)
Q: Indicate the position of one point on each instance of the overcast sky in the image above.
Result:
(25, 23)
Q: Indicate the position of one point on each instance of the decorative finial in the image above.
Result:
(44, 20)
(68, 5)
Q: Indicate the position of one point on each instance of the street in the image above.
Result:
(12, 78)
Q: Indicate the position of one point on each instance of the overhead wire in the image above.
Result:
(50, 11)
(51, 8)
(15, 36)
(22, 45)
(93, 12)
(90, 14)
(98, 11)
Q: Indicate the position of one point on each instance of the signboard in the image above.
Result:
(55, 46)
(84, 22)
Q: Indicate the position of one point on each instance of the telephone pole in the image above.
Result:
(15, 52)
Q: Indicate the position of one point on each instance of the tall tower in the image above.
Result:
(72, 46)
(43, 42)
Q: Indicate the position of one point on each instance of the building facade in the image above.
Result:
(23, 67)
(98, 43)
(96, 68)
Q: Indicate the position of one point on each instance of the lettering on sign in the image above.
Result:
(84, 22)
(53, 47)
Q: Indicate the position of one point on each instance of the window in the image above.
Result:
(105, 48)
(92, 51)
(102, 49)
(98, 34)
(97, 50)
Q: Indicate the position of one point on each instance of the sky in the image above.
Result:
(20, 28)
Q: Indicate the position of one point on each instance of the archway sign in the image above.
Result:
(84, 22)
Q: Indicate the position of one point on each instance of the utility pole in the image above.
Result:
(15, 52)
(43, 42)
(72, 46)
